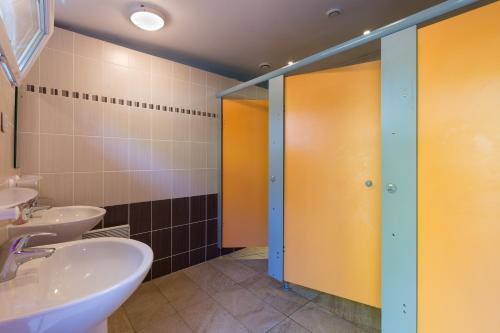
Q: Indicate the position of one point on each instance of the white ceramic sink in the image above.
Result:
(69, 223)
(15, 196)
(75, 289)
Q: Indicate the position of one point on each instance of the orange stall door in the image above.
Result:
(332, 147)
(459, 173)
(244, 168)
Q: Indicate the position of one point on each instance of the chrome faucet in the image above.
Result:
(14, 253)
(27, 212)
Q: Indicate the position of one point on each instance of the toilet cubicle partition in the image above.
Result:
(397, 187)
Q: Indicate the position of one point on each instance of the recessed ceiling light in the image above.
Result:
(366, 32)
(332, 12)
(290, 63)
(147, 19)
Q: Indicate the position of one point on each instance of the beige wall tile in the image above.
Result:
(88, 75)
(56, 114)
(181, 155)
(28, 152)
(139, 88)
(88, 154)
(211, 155)
(110, 149)
(61, 40)
(139, 154)
(198, 129)
(88, 118)
(29, 112)
(56, 153)
(33, 76)
(139, 61)
(140, 123)
(198, 155)
(211, 100)
(211, 181)
(213, 80)
(162, 155)
(88, 47)
(115, 157)
(115, 188)
(180, 126)
(115, 54)
(140, 186)
(56, 69)
(162, 67)
(180, 180)
(115, 81)
(56, 189)
(115, 120)
(162, 122)
(180, 93)
(161, 185)
(212, 130)
(161, 87)
(197, 97)
(89, 189)
(197, 182)
(198, 76)
(181, 71)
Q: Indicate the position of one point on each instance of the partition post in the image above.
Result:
(276, 177)
(399, 179)
(219, 172)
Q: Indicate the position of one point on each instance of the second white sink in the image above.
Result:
(69, 223)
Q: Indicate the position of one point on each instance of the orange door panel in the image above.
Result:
(332, 147)
(244, 167)
(459, 173)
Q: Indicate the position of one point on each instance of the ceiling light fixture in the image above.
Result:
(366, 32)
(147, 19)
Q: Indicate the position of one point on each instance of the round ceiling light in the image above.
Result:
(147, 19)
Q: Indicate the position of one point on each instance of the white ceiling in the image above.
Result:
(232, 37)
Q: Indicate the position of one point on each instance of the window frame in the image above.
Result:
(16, 69)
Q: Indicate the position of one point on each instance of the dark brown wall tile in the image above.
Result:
(211, 232)
(198, 208)
(161, 267)
(162, 243)
(115, 216)
(180, 239)
(197, 235)
(213, 252)
(180, 211)
(140, 217)
(211, 206)
(162, 214)
(197, 256)
(180, 261)
(144, 238)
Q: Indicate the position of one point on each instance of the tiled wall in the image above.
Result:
(6, 139)
(109, 126)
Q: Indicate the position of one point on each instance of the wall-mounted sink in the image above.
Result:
(69, 223)
(75, 289)
(15, 196)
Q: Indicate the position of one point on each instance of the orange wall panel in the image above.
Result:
(244, 165)
(332, 146)
(459, 173)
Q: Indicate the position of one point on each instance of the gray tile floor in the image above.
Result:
(230, 294)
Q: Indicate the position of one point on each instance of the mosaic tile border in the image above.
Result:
(113, 100)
